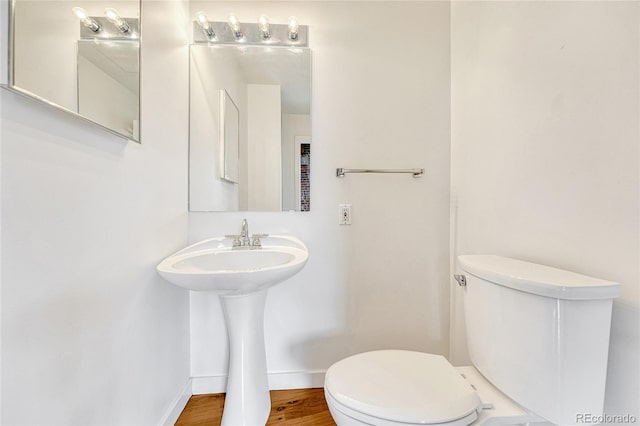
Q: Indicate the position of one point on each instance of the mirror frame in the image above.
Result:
(7, 78)
(4, 44)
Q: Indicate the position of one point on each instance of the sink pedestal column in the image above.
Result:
(247, 401)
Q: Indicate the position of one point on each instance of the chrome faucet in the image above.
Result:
(243, 240)
(244, 234)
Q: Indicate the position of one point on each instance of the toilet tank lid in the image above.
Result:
(538, 279)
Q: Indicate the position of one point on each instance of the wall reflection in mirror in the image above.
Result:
(268, 146)
(81, 56)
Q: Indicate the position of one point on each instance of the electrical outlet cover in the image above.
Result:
(344, 214)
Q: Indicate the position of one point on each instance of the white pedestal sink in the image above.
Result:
(241, 276)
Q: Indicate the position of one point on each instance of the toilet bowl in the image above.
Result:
(395, 388)
(400, 387)
(535, 334)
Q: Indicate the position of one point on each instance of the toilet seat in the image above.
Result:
(393, 386)
(358, 418)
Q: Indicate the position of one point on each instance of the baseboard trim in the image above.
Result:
(175, 409)
(209, 384)
(277, 381)
(296, 379)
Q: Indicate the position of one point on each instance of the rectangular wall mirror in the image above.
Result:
(270, 88)
(81, 56)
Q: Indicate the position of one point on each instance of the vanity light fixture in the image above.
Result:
(114, 17)
(233, 32)
(293, 28)
(204, 23)
(234, 24)
(86, 20)
(263, 25)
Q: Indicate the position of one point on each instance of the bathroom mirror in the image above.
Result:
(270, 89)
(81, 56)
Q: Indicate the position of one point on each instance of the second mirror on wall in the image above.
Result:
(81, 56)
(250, 128)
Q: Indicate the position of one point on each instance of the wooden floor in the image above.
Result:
(294, 407)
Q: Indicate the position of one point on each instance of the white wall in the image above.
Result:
(383, 281)
(545, 130)
(292, 125)
(264, 147)
(90, 333)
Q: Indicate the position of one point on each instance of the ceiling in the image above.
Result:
(290, 68)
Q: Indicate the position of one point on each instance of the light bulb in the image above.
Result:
(80, 13)
(293, 28)
(114, 17)
(234, 24)
(263, 25)
(202, 19)
(204, 23)
(86, 20)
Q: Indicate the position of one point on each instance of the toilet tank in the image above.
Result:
(539, 334)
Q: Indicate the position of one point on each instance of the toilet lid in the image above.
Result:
(402, 386)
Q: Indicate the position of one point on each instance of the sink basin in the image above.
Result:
(213, 265)
(241, 277)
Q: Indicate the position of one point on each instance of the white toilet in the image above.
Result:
(538, 338)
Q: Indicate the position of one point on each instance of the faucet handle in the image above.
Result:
(255, 239)
(236, 239)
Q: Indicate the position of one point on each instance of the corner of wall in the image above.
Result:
(177, 406)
